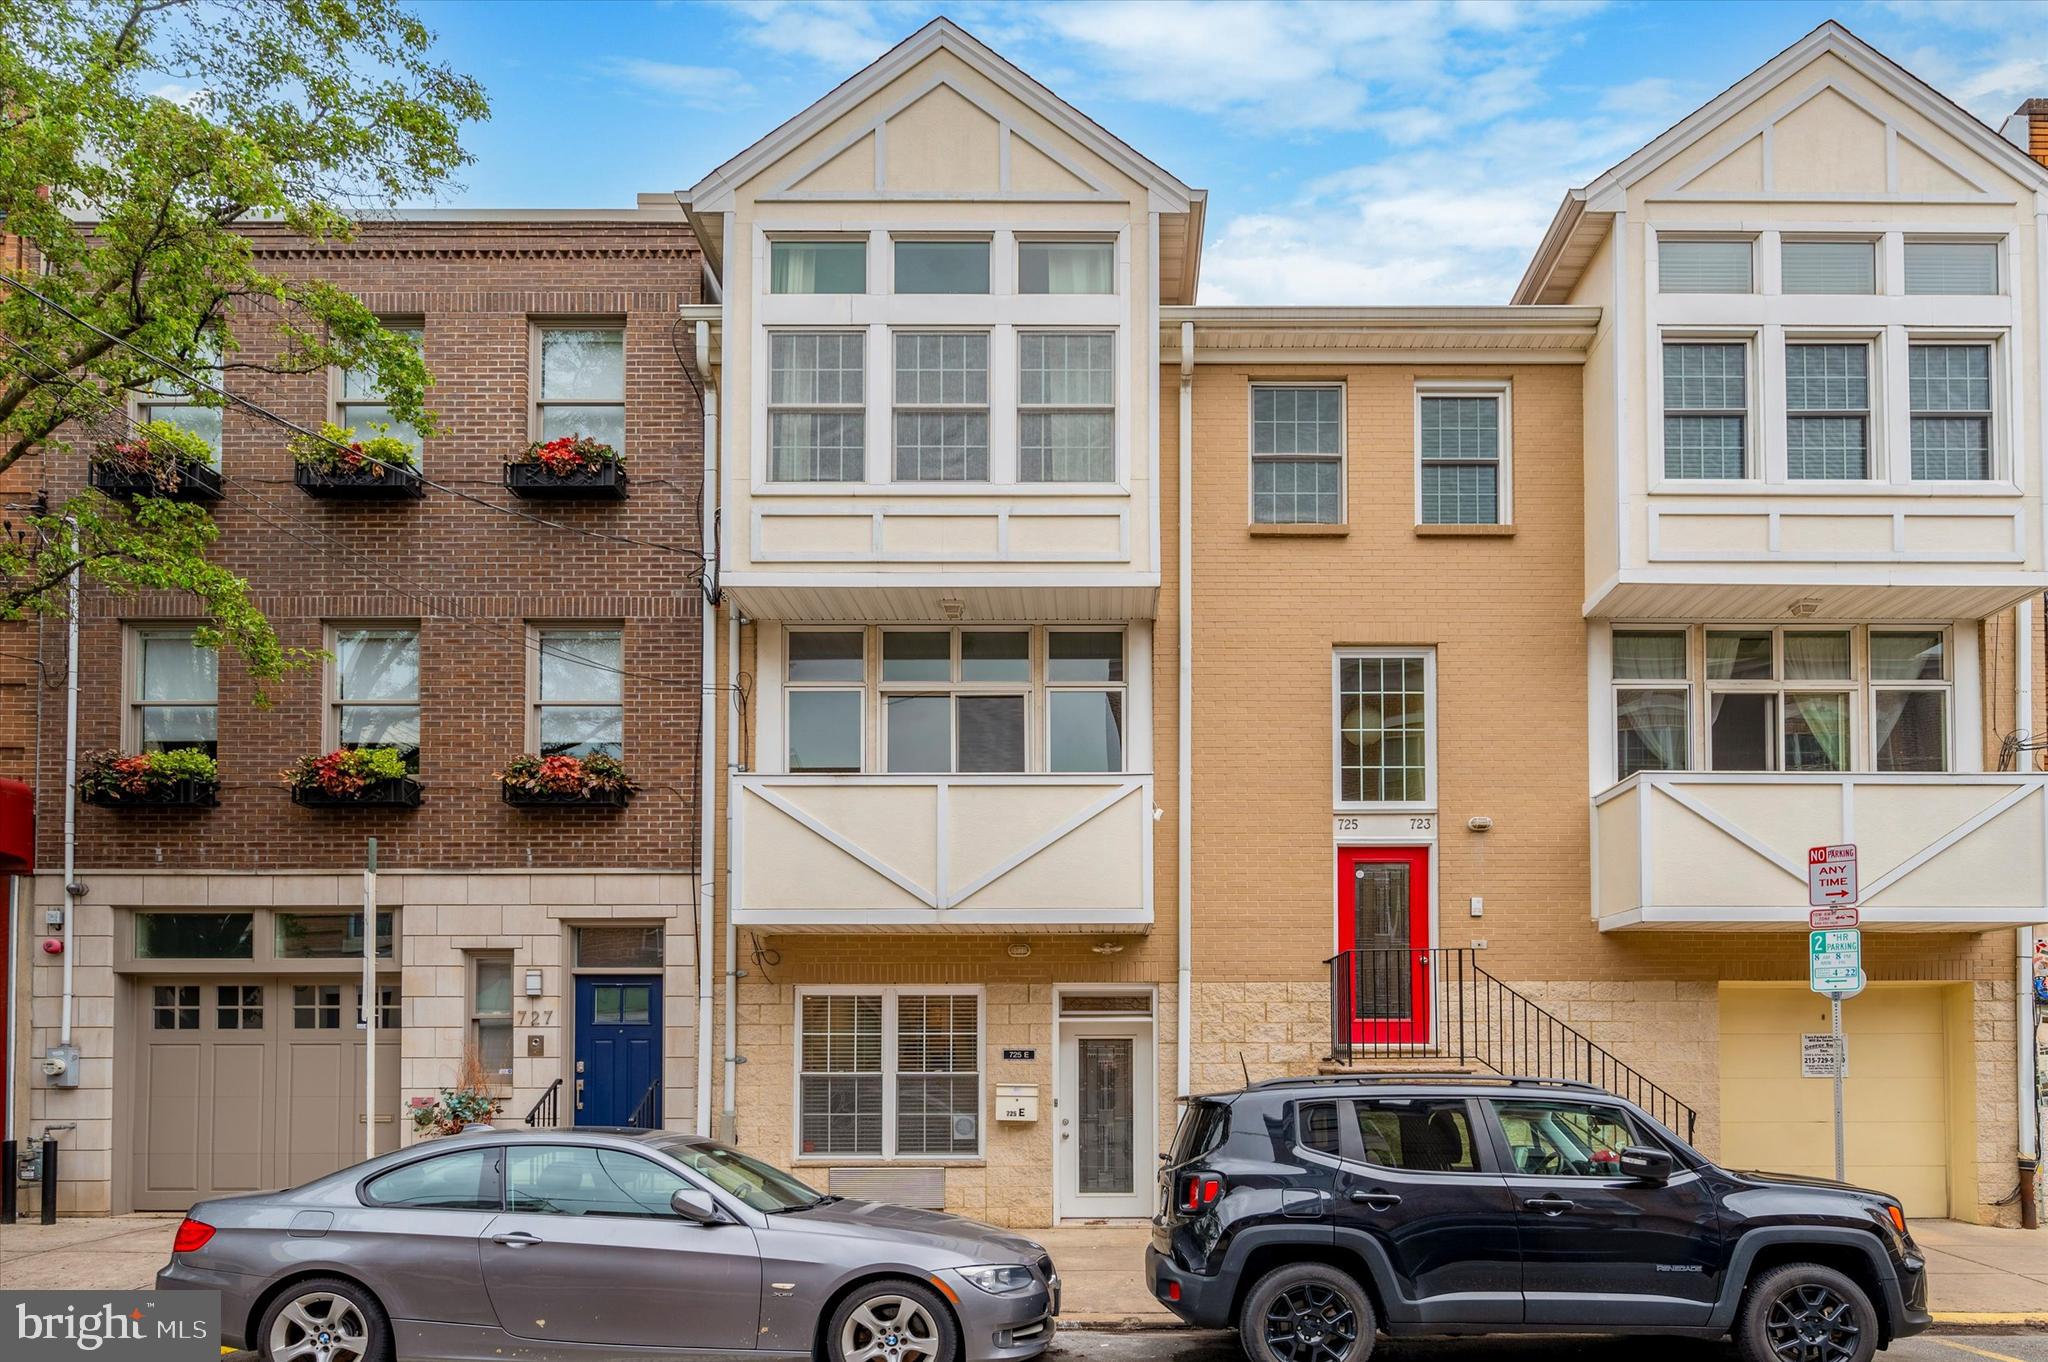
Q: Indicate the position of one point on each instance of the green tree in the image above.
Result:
(136, 138)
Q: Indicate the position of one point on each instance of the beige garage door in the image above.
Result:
(243, 1084)
(1896, 1101)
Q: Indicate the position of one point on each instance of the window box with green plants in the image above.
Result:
(563, 781)
(184, 777)
(158, 460)
(353, 777)
(337, 464)
(572, 467)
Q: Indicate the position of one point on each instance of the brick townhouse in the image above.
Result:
(216, 950)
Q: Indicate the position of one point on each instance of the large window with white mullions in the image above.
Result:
(888, 1073)
(1805, 698)
(817, 406)
(1385, 722)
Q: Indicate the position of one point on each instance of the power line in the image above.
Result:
(289, 424)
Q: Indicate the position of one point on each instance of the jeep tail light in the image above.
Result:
(192, 1236)
(1199, 1191)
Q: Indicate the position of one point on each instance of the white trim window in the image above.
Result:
(825, 689)
(1950, 399)
(1827, 410)
(1706, 409)
(942, 406)
(175, 695)
(1830, 267)
(374, 695)
(1780, 699)
(1045, 266)
(1297, 454)
(360, 404)
(1910, 684)
(580, 383)
(579, 692)
(823, 266)
(1461, 450)
(1705, 265)
(1385, 727)
(817, 406)
(888, 1073)
(1652, 701)
(1066, 406)
(1952, 267)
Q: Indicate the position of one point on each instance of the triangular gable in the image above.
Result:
(1790, 157)
(990, 157)
(715, 192)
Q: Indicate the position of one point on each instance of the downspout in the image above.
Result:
(2029, 1127)
(13, 1006)
(1184, 792)
(729, 1130)
(707, 731)
(70, 791)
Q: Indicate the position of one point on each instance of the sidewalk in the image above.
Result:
(1981, 1276)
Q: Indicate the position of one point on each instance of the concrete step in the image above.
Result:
(1398, 1064)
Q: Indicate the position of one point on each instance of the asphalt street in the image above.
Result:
(1191, 1346)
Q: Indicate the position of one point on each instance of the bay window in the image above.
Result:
(1949, 390)
(1706, 409)
(888, 1073)
(817, 413)
(827, 679)
(1909, 706)
(1652, 698)
(1827, 410)
(1066, 407)
(942, 406)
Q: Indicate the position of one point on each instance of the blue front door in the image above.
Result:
(618, 1048)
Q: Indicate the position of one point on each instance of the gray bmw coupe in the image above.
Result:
(582, 1244)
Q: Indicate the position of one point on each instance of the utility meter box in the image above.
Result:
(1016, 1101)
(60, 1066)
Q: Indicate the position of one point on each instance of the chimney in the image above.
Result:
(2027, 129)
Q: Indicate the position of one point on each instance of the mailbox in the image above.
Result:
(1016, 1101)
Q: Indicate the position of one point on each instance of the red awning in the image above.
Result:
(17, 828)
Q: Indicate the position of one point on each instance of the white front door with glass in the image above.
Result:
(1104, 1128)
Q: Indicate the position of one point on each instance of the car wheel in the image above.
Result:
(1804, 1312)
(1306, 1313)
(324, 1319)
(892, 1322)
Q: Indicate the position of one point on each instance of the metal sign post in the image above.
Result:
(369, 1001)
(1834, 958)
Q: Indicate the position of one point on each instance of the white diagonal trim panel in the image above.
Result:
(1675, 795)
(1944, 842)
(1030, 849)
(882, 868)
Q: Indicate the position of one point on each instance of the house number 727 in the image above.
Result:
(541, 1017)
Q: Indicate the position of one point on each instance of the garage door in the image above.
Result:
(245, 1084)
(1896, 1100)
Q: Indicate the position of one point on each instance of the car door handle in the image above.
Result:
(1550, 1204)
(516, 1239)
(1379, 1201)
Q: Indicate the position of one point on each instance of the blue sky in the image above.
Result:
(1354, 152)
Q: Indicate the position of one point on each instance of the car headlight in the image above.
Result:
(1004, 1279)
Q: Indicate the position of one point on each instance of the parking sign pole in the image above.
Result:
(1841, 1163)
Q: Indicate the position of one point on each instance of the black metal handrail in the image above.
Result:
(545, 1112)
(1468, 1016)
(647, 1116)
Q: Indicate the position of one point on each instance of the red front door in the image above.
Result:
(1383, 929)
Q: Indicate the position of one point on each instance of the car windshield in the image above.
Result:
(762, 1186)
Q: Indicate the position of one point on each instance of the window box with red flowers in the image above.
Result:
(570, 467)
(337, 464)
(182, 778)
(158, 460)
(353, 777)
(593, 782)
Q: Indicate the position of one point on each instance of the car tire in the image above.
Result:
(910, 1311)
(348, 1316)
(1306, 1312)
(1804, 1312)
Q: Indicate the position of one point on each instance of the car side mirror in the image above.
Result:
(693, 1205)
(1647, 1163)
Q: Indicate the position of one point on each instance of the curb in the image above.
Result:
(1958, 1321)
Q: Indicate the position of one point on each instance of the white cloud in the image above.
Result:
(699, 86)
(841, 36)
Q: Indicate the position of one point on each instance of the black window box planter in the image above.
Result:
(402, 793)
(182, 794)
(596, 799)
(605, 482)
(364, 484)
(196, 482)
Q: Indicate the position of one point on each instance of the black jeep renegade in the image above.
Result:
(1312, 1214)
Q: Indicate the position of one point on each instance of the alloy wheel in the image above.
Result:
(889, 1329)
(1811, 1323)
(319, 1326)
(1311, 1323)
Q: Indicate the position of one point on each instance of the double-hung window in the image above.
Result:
(490, 1017)
(579, 699)
(1297, 455)
(1066, 406)
(1950, 394)
(1461, 443)
(1780, 699)
(817, 406)
(1706, 409)
(176, 692)
(169, 402)
(375, 700)
(826, 690)
(1385, 708)
(1652, 701)
(359, 402)
(1827, 410)
(942, 406)
(582, 388)
(888, 1073)
(1910, 685)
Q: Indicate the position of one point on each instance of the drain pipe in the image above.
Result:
(14, 930)
(2023, 993)
(70, 798)
(735, 762)
(1184, 793)
(707, 732)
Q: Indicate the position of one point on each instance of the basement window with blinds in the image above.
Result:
(887, 1074)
